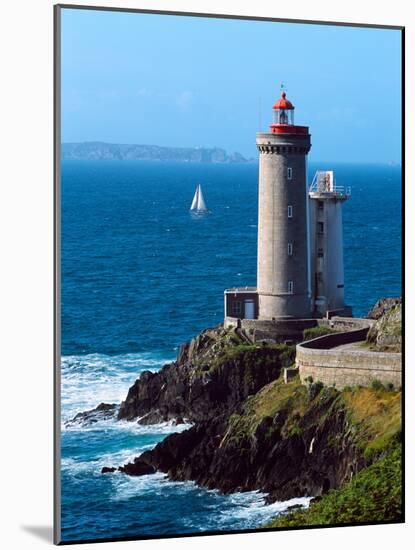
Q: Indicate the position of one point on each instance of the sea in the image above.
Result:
(140, 276)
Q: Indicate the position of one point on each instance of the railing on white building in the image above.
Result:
(324, 184)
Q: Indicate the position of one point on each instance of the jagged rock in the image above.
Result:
(104, 411)
(386, 333)
(137, 468)
(274, 458)
(213, 375)
(108, 470)
(382, 306)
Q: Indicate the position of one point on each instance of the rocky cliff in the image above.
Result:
(286, 440)
(386, 333)
(213, 375)
(251, 431)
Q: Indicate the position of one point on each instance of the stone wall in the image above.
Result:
(346, 367)
(231, 322)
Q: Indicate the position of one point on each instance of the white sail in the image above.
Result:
(198, 203)
(201, 205)
(195, 199)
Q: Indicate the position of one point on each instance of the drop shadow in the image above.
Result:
(43, 532)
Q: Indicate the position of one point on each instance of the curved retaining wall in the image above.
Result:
(325, 362)
(330, 341)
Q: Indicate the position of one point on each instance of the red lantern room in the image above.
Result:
(283, 120)
(283, 111)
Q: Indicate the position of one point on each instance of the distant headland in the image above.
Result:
(99, 150)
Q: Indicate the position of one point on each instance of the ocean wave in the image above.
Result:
(74, 467)
(253, 507)
(129, 487)
(220, 512)
(114, 425)
(87, 380)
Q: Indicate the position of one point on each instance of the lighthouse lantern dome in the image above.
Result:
(283, 111)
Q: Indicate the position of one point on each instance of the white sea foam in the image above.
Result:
(163, 428)
(94, 466)
(252, 506)
(127, 487)
(78, 464)
(248, 509)
(88, 380)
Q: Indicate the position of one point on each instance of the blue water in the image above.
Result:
(139, 277)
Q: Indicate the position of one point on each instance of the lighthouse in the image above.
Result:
(283, 264)
(300, 239)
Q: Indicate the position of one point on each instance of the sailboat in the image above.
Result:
(198, 204)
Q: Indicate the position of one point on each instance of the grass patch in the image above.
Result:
(374, 494)
(315, 332)
(266, 403)
(255, 355)
(376, 413)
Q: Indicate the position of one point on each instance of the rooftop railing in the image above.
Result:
(325, 184)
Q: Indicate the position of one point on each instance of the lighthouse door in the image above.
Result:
(249, 309)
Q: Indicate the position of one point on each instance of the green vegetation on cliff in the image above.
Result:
(374, 416)
(373, 495)
(276, 396)
(229, 347)
(376, 413)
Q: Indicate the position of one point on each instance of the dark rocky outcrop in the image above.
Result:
(137, 468)
(283, 454)
(252, 431)
(213, 374)
(108, 470)
(104, 411)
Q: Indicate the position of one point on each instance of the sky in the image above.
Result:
(203, 82)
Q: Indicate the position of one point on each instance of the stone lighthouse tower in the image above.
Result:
(283, 278)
